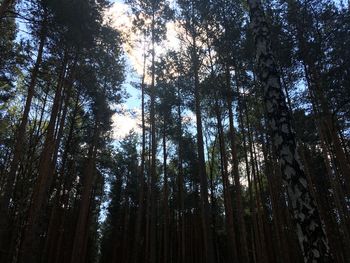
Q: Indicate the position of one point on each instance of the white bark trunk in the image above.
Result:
(310, 230)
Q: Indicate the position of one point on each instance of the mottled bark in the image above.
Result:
(310, 230)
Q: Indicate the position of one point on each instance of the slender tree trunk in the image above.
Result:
(165, 199)
(244, 255)
(181, 205)
(230, 228)
(208, 240)
(153, 172)
(56, 217)
(83, 217)
(20, 139)
(311, 233)
(148, 205)
(255, 249)
(326, 127)
(140, 209)
(320, 187)
(327, 124)
(43, 181)
(259, 222)
(281, 249)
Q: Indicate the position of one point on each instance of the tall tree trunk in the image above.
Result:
(281, 249)
(165, 198)
(259, 218)
(20, 138)
(153, 167)
(148, 208)
(311, 233)
(89, 176)
(181, 201)
(230, 228)
(56, 217)
(330, 142)
(320, 187)
(244, 255)
(327, 123)
(255, 249)
(208, 239)
(140, 209)
(43, 181)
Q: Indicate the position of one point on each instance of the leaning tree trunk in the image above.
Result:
(29, 246)
(311, 233)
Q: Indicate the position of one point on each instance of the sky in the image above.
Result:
(128, 115)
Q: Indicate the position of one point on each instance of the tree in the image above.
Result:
(310, 230)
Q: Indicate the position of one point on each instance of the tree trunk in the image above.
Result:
(259, 218)
(208, 240)
(255, 249)
(43, 181)
(181, 201)
(153, 167)
(311, 233)
(244, 255)
(140, 209)
(20, 138)
(165, 199)
(83, 217)
(230, 228)
(55, 225)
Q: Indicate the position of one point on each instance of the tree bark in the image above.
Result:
(310, 230)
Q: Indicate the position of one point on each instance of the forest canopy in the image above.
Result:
(174, 131)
